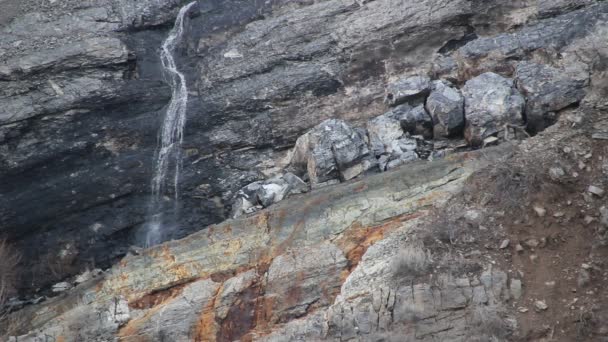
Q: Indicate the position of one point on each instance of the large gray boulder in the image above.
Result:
(408, 89)
(491, 102)
(331, 151)
(445, 104)
(547, 89)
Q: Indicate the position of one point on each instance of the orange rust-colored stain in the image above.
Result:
(356, 240)
(228, 229)
(158, 297)
(131, 331)
(361, 187)
(205, 330)
(60, 339)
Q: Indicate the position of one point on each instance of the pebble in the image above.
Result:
(540, 211)
(584, 278)
(596, 190)
(519, 248)
(504, 244)
(540, 305)
(556, 173)
(532, 243)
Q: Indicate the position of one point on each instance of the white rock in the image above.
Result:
(504, 244)
(540, 211)
(61, 287)
(540, 305)
(596, 190)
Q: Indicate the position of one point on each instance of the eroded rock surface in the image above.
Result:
(82, 100)
(323, 267)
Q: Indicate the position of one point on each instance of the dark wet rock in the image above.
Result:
(446, 106)
(491, 102)
(551, 35)
(547, 90)
(415, 121)
(408, 89)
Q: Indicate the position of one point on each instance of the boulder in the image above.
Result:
(407, 89)
(383, 131)
(491, 102)
(262, 194)
(333, 150)
(415, 121)
(389, 143)
(403, 150)
(547, 90)
(445, 104)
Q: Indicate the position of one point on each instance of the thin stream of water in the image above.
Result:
(172, 132)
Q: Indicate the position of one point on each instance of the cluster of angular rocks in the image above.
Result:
(424, 116)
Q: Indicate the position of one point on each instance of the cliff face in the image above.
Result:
(334, 257)
(82, 98)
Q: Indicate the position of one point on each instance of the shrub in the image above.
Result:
(412, 260)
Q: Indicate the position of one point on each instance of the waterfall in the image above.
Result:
(171, 134)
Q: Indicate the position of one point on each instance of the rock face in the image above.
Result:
(490, 102)
(323, 268)
(83, 96)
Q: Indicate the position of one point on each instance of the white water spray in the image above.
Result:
(172, 131)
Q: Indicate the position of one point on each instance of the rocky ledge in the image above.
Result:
(341, 263)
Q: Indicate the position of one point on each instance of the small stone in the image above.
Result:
(604, 216)
(519, 248)
(516, 288)
(540, 305)
(588, 219)
(584, 278)
(596, 190)
(504, 244)
(540, 211)
(490, 141)
(533, 257)
(586, 266)
(522, 309)
(556, 173)
(550, 283)
(558, 214)
(532, 243)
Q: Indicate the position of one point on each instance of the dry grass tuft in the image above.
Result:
(412, 260)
